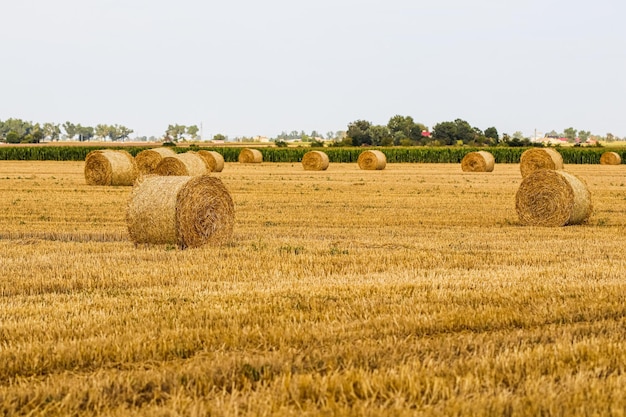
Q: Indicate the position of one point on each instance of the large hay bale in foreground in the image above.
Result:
(147, 160)
(110, 167)
(480, 161)
(250, 156)
(185, 211)
(539, 158)
(552, 198)
(372, 160)
(610, 158)
(214, 160)
(315, 161)
(182, 164)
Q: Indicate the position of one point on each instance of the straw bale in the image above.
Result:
(552, 198)
(147, 160)
(214, 160)
(315, 161)
(480, 161)
(539, 158)
(372, 160)
(110, 167)
(610, 158)
(188, 163)
(181, 210)
(250, 156)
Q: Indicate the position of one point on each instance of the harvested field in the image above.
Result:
(408, 291)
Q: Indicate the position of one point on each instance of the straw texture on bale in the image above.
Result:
(372, 160)
(315, 161)
(552, 198)
(214, 160)
(147, 160)
(185, 211)
(480, 161)
(538, 158)
(188, 163)
(110, 167)
(610, 158)
(250, 156)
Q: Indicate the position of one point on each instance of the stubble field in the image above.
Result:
(408, 291)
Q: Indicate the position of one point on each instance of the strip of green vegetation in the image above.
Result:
(395, 154)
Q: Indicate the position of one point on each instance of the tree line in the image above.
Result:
(21, 131)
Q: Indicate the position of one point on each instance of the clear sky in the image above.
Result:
(247, 68)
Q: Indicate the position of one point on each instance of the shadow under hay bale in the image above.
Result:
(539, 158)
(110, 167)
(372, 160)
(214, 160)
(250, 156)
(147, 160)
(552, 198)
(182, 164)
(610, 158)
(315, 161)
(185, 211)
(480, 161)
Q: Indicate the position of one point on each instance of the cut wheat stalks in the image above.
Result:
(315, 161)
(552, 198)
(539, 158)
(214, 160)
(610, 158)
(110, 167)
(480, 161)
(182, 164)
(185, 211)
(148, 159)
(372, 160)
(250, 156)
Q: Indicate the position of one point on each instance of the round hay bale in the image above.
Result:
(480, 161)
(110, 167)
(315, 161)
(610, 158)
(539, 158)
(552, 198)
(147, 160)
(185, 164)
(185, 211)
(250, 156)
(214, 160)
(372, 160)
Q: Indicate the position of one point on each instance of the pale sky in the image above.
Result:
(247, 68)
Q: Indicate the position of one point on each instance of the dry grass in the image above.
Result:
(440, 303)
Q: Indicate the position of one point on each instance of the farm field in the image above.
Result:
(408, 291)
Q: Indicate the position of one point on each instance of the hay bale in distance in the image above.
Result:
(110, 167)
(214, 160)
(610, 158)
(182, 164)
(552, 198)
(185, 211)
(480, 161)
(315, 161)
(539, 158)
(372, 160)
(250, 156)
(147, 160)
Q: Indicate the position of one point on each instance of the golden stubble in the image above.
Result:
(409, 290)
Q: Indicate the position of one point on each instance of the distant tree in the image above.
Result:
(451, 133)
(358, 132)
(492, 133)
(70, 129)
(13, 137)
(583, 135)
(85, 133)
(518, 135)
(51, 131)
(380, 135)
(219, 136)
(192, 131)
(610, 137)
(570, 134)
(102, 131)
(175, 132)
(281, 143)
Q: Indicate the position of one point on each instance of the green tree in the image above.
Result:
(192, 131)
(85, 133)
(51, 131)
(219, 136)
(380, 135)
(102, 131)
(70, 129)
(583, 135)
(358, 132)
(492, 134)
(451, 133)
(570, 134)
(175, 132)
(119, 132)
